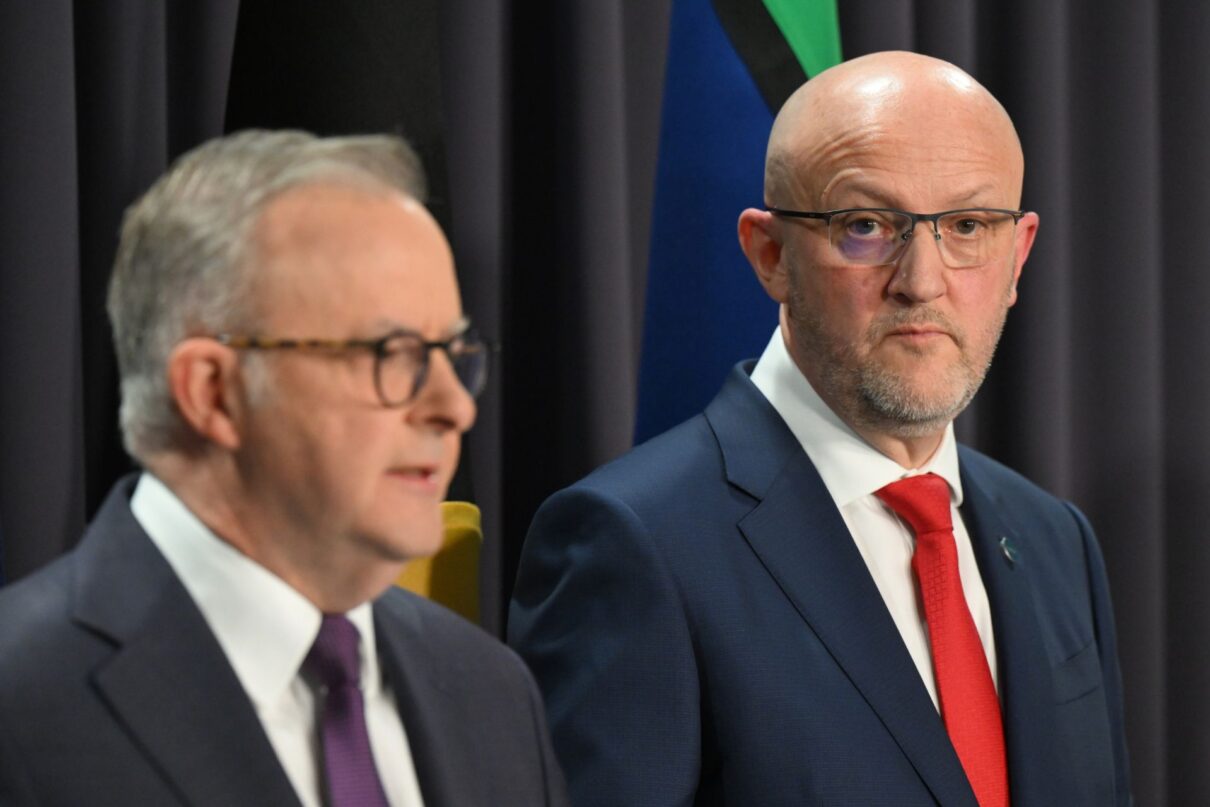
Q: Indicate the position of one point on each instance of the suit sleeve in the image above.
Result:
(599, 619)
(1107, 644)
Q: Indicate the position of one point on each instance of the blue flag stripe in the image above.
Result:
(705, 309)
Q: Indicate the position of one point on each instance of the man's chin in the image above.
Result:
(911, 407)
(410, 537)
(415, 547)
(916, 363)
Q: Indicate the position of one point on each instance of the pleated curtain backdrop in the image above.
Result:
(94, 98)
(547, 120)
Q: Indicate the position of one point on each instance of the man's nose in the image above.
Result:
(920, 272)
(443, 400)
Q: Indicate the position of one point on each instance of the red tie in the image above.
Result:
(969, 707)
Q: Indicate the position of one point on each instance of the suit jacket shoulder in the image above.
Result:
(113, 689)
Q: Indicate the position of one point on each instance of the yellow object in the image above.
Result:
(451, 577)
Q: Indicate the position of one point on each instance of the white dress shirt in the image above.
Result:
(852, 470)
(266, 629)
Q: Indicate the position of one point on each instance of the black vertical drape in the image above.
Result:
(539, 121)
(41, 412)
(1171, 675)
(95, 98)
(150, 83)
(585, 124)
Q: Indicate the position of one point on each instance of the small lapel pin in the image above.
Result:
(1010, 551)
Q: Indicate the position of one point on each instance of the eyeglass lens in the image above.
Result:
(403, 366)
(877, 237)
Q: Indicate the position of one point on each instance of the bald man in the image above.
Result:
(810, 593)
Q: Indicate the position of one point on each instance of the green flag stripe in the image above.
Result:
(812, 27)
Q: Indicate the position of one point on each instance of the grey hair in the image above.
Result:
(184, 263)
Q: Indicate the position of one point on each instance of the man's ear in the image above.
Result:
(1027, 231)
(759, 242)
(203, 379)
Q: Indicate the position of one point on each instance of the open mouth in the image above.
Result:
(420, 477)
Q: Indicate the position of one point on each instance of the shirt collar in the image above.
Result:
(850, 467)
(264, 626)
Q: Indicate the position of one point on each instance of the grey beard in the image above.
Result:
(879, 400)
(886, 404)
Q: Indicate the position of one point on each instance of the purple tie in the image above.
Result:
(348, 762)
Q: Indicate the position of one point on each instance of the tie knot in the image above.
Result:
(922, 501)
(334, 658)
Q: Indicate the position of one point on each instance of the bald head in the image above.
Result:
(893, 328)
(921, 112)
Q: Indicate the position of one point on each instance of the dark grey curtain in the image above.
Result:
(41, 470)
(94, 98)
(548, 117)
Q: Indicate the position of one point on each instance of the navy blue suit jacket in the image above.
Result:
(114, 691)
(705, 631)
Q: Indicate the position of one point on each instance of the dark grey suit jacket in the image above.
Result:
(114, 691)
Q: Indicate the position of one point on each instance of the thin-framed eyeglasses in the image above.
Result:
(401, 358)
(877, 236)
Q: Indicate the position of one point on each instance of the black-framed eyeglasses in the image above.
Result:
(877, 236)
(401, 358)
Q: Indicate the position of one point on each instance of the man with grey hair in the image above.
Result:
(296, 376)
(810, 593)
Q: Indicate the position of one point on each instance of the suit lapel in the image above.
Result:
(436, 737)
(801, 539)
(1024, 667)
(168, 682)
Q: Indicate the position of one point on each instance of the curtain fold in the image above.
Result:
(41, 428)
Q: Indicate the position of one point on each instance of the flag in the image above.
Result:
(730, 66)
